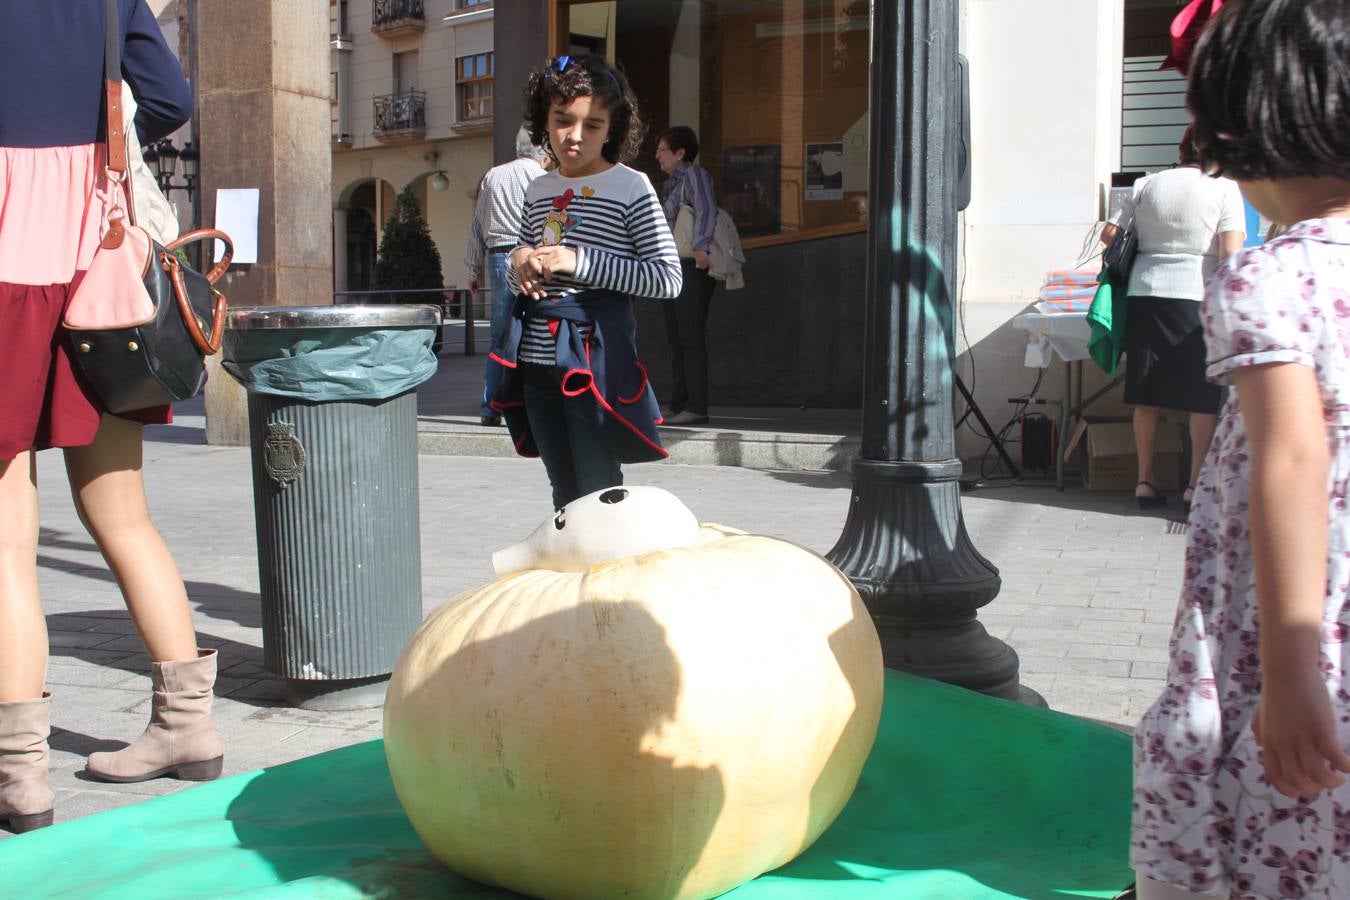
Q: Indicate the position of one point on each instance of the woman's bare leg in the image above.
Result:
(1145, 439)
(23, 629)
(105, 480)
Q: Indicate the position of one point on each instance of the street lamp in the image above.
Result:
(164, 156)
(904, 544)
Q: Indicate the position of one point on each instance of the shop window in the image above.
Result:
(777, 91)
(473, 84)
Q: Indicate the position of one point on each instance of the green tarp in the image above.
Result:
(963, 797)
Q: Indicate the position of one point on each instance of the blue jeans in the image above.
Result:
(502, 300)
(574, 452)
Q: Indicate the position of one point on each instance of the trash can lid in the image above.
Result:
(252, 318)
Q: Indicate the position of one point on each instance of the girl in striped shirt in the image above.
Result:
(593, 237)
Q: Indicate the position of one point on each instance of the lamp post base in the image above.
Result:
(905, 548)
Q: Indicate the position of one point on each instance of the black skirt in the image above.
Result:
(1165, 356)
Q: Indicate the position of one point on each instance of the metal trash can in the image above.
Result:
(332, 412)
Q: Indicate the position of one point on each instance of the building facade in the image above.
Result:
(412, 88)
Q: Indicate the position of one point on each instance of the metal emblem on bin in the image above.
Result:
(283, 454)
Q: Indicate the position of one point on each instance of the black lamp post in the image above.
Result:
(164, 156)
(904, 544)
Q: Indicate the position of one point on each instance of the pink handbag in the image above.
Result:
(141, 322)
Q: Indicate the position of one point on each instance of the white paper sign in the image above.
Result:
(237, 216)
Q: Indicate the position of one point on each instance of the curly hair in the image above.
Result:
(566, 78)
(1270, 90)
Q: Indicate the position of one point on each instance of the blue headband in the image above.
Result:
(562, 62)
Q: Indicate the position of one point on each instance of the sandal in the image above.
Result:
(1149, 501)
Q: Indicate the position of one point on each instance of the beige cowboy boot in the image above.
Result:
(25, 794)
(180, 739)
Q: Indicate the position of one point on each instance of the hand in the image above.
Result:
(1296, 730)
(702, 259)
(554, 260)
(529, 276)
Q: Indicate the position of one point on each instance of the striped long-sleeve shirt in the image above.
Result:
(614, 223)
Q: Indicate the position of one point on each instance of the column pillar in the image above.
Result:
(264, 120)
(904, 544)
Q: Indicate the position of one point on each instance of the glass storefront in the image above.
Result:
(775, 89)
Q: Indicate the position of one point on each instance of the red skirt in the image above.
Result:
(53, 206)
(44, 401)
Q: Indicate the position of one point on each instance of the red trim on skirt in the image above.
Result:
(43, 399)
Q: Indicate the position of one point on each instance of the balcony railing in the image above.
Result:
(395, 18)
(401, 117)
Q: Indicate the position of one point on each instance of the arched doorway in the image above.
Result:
(358, 224)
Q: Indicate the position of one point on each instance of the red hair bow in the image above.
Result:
(1186, 29)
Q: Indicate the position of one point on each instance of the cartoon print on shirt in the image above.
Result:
(558, 221)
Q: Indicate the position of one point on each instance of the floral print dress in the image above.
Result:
(1205, 817)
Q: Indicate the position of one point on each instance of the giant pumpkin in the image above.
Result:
(665, 723)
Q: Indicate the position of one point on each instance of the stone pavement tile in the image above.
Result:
(1059, 665)
(80, 801)
(1072, 636)
(1149, 632)
(102, 624)
(1056, 595)
(1042, 647)
(1151, 653)
(84, 676)
(354, 719)
(1155, 671)
(1124, 599)
(61, 639)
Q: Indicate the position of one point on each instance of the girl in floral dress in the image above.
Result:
(1239, 784)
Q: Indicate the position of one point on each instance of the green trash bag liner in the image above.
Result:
(963, 796)
(323, 364)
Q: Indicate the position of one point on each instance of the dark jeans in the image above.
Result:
(500, 313)
(574, 452)
(687, 334)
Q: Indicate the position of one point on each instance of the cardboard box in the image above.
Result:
(1109, 461)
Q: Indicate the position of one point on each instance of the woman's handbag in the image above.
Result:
(141, 322)
(1118, 258)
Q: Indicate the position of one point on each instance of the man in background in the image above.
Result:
(492, 236)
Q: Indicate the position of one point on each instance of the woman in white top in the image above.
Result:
(1187, 223)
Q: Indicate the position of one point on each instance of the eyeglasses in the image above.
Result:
(660, 150)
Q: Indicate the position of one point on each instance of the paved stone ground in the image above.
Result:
(1089, 587)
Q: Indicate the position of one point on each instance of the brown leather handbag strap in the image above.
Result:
(207, 345)
(115, 129)
(206, 234)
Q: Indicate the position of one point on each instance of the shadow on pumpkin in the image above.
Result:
(522, 701)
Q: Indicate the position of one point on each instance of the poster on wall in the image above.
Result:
(825, 170)
(752, 187)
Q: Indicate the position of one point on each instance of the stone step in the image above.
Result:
(757, 448)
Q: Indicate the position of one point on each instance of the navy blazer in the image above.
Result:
(51, 73)
(601, 372)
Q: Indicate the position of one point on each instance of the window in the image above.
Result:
(405, 71)
(473, 4)
(342, 29)
(776, 90)
(473, 82)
